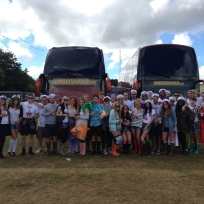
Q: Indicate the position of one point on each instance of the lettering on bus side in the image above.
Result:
(72, 81)
(167, 83)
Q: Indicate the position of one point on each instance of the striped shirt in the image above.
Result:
(137, 121)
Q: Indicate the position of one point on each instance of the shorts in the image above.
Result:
(195, 128)
(96, 131)
(157, 130)
(166, 129)
(148, 128)
(136, 128)
(5, 130)
(63, 125)
(13, 127)
(27, 128)
(51, 130)
(40, 133)
(126, 129)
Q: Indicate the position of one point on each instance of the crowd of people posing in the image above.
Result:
(111, 122)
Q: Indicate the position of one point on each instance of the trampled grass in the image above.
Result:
(105, 179)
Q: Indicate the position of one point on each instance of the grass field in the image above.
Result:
(105, 179)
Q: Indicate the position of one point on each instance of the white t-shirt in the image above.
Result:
(148, 116)
(160, 101)
(157, 109)
(41, 119)
(129, 104)
(29, 109)
(13, 115)
(199, 100)
(5, 119)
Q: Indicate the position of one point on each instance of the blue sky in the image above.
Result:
(110, 25)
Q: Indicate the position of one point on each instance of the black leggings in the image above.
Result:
(182, 140)
(64, 134)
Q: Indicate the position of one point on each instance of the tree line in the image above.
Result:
(12, 77)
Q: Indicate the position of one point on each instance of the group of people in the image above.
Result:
(111, 122)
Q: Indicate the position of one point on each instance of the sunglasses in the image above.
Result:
(65, 99)
(117, 106)
(125, 108)
(133, 94)
(193, 99)
(172, 101)
(30, 97)
(176, 95)
(144, 95)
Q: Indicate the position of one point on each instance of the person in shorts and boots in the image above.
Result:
(28, 124)
(51, 127)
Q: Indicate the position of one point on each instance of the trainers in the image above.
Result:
(158, 151)
(104, 151)
(39, 150)
(153, 151)
(9, 154)
(13, 154)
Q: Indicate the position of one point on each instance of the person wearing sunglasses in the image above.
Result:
(28, 123)
(15, 114)
(143, 98)
(195, 128)
(4, 124)
(172, 102)
(63, 110)
(133, 95)
(115, 127)
(176, 95)
(120, 100)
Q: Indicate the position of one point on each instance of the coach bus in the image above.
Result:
(169, 66)
(73, 71)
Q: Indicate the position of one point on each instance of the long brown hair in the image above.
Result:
(18, 104)
(75, 101)
(119, 111)
(166, 111)
(79, 107)
(4, 106)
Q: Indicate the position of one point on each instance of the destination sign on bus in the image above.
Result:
(168, 83)
(73, 81)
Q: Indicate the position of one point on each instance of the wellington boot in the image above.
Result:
(139, 148)
(48, 148)
(136, 147)
(165, 146)
(171, 153)
(124, 148)
(145, 152)
(114, 149)
(191, 147)
(55, 148)
(23, 152)
(30, 151)
(62, 152)
(197, 151)
(127, 148)
(148, 148)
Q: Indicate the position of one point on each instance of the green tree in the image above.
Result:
(1, 77)
(14, 78)
(114, 82)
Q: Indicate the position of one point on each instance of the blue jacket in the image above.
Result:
(113, 121)
(172, 121)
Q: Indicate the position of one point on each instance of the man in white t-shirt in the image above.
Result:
(162, 96)
(28, 124)
(41, 123)
(126, 101)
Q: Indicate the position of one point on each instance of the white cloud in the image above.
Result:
(35, 71)
(182, 38)
(157, 5)
(201, 72)
(159, 42)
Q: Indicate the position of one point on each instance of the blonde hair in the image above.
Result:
(65, 97)
(119, 111)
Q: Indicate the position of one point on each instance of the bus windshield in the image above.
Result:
(167, 61)
(74, 62)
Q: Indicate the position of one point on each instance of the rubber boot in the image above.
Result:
(114, 149)
(83, 145)
(80, 147)
(197, 151)
(62, 152)
(55, 148)
(30, 151)
(136, 147)
(165, 146)
(139, 148)
(148, 148)
(127, 148)
(48, 148)
(124, 148)
(191, 147)
(171, 153)
(23, 152)
(144, 146)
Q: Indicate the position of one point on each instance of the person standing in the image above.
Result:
(51, 128)
(41, 123)
(15, 114)
(28, 124)
(133, 97)
(127, 101)
(112, 100)
(4, 124)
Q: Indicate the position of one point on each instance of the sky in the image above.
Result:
(115, 26)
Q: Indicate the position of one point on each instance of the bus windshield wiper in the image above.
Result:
(158, 74)
(71, 75)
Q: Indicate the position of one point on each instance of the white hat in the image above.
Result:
(119, 96)
(133, 91)
(148, 101)
(52, 95)
(166, 100)
(144, 93)
(3, 97)
(106, 97)
(181, 98)
(15, 97)
(150, 92)
(189, 91)
(43, 96)
(172, 98)
(162, 90)
(167, 91)
(155, 95)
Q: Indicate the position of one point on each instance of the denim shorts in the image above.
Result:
(63, 125)
(148, 128)
(195, 128)
(135, 128)
(14, 127)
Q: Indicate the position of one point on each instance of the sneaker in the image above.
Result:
(158, 151)
(9, 154)
(39, 150)
(153, 151)
(13, 154)
(104, 151)
(109, 151)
